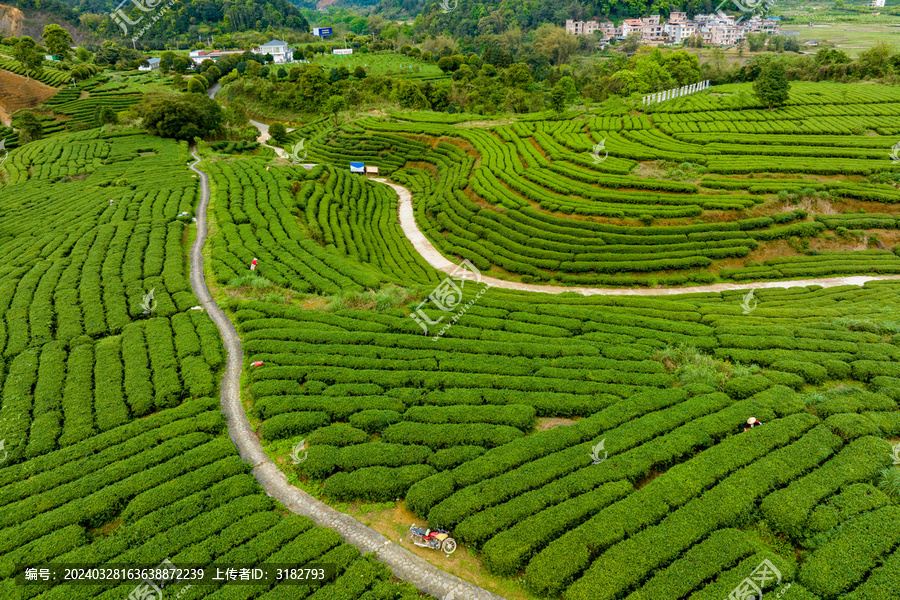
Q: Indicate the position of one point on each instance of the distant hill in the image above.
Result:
(472, 18)
(11, 20)
(89, 20)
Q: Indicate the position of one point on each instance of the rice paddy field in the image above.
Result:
(576, 447)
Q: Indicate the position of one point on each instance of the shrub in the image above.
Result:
(851, 426)
(453, 457)
(373, 421)
(786, 379)
(292, 424)
(744, 387)
(812, 373)
(337, 434)
(375, 484)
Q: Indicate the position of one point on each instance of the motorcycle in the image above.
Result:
(436, 540)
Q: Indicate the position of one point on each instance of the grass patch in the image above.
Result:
(390, 296)
(689, 365)
(890, 483)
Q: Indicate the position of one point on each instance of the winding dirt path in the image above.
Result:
(404, 564)
(437, 260)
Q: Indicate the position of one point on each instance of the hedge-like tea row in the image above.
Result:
(117, 452)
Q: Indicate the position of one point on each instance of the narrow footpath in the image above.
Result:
(404, 564)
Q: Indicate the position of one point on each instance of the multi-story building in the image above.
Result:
(608, 29)
(581, 27)
(651, 29)
(277, 48)
(630, 26)
(718, 29)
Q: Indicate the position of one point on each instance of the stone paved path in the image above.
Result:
(404, 564)
(437, 260)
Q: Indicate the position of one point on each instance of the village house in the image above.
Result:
(715, 29)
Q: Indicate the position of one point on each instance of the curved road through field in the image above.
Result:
(404, 564)
(437, 260)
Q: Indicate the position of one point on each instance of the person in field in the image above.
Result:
(751, 423)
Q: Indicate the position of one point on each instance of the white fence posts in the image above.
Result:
(675, 93)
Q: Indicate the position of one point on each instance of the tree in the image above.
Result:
(107, 116)
(182, 117)
(30, 128)
(562, 94)
(518, 75)
(555, 43)
(278, 132)
(359, 72)
(82, 54)
(236, 113)
(682, 66)
(757, 41)
(108, 54)
(410, 95)
(653, 76)
(874, 61)
(57, 41)
(180, 64)
(446, 64)
(195, 85)
(772, 87)
(25, 51)
(334, 105)
(632, 42)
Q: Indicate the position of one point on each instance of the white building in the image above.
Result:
(277, 48)
(152, 63)
(198, 56)
(877, 4)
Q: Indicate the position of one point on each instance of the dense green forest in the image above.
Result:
(186, 20)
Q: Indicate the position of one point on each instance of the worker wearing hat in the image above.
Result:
(751, 423)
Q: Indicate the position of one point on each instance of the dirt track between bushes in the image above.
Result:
(437, 260)
(404, 564)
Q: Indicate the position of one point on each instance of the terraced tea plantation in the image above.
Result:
(582, 447)
(595, 447)
(698, 189)
(115, 449)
